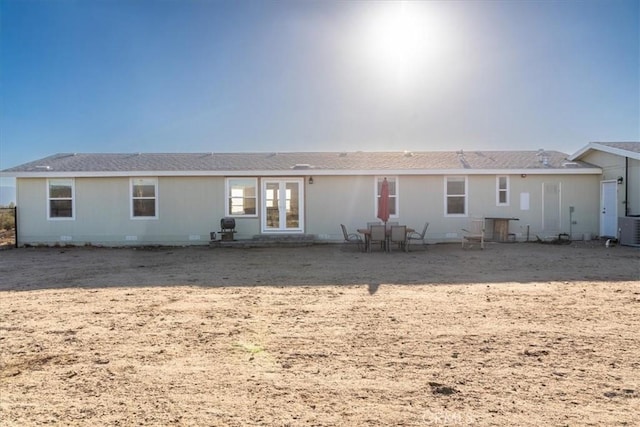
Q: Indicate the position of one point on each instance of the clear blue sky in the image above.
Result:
(201, 75)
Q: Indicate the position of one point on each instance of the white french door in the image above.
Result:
(282, 205)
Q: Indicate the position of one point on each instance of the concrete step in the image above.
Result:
(266, 241)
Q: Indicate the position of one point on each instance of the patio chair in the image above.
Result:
(377, 234)
(474, 234)
(414, 235)
(399, 236)
(351, 237)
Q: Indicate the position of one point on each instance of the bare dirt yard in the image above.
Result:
(517, 334)
(7, 238)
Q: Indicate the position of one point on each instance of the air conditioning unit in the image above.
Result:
(629, 230)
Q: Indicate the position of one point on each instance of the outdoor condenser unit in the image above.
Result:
(629, 230)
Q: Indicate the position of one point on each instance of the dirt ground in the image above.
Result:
(517, 334)
(7, 238)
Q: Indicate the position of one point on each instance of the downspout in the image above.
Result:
(626, 186)
(15, 223)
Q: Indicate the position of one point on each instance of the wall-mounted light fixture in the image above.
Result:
(524, 175)
(310, 180)
(620, 180)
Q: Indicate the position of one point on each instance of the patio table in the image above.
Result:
(366, 232)
(501, 227)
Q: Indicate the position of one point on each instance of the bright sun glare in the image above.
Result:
(403, 38)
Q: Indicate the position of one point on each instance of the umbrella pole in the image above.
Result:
(386, 238)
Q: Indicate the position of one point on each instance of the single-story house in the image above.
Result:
(179, 199)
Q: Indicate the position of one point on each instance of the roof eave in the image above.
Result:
(594, 146)
(306, 172)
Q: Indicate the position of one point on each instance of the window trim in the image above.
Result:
(73, 200)
(155, 183)
(227, 196)
(376, 196)
(506, 190)
(465, 195)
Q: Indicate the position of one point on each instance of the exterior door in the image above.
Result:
(609, 209)
(282, 205)
(551, 208)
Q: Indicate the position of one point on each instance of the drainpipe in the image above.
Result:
(626, 186)
(15, 223)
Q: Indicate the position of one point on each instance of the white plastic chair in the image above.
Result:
(474, 234)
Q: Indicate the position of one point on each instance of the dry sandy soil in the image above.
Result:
(517, 334)
(7, 238)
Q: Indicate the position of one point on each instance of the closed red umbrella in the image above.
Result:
(383, 202)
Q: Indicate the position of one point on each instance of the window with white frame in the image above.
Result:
(242, 196)
(502, 190)
(455, 195)
(144, 198)
(393, 194)
(60, 198)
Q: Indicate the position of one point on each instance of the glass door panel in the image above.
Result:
(292, 205)
(282, 205)
(272, 205)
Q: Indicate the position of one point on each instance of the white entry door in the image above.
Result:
(282, 205)
(609, 209)
(551, 215)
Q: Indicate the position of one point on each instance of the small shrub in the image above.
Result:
(7, 219)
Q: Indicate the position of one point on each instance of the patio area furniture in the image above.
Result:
(474, 234)
(501, 228)
(415, 236)
(380, 228)
(398, 235)
(377, 233)
(351, 237)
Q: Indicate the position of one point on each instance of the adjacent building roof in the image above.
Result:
(624, 149)
(303, 163)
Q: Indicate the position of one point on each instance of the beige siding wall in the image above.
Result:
(612, 165)
(351, 201)
(332, 200)
(191, 207)
(577, 191)
(188, 209)
(32, 212)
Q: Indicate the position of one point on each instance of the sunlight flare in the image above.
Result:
(400, 40)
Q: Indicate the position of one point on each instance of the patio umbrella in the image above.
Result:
(383, 202)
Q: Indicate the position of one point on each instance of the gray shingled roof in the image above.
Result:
(633, 147)
(327, 161)
(625, 149)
